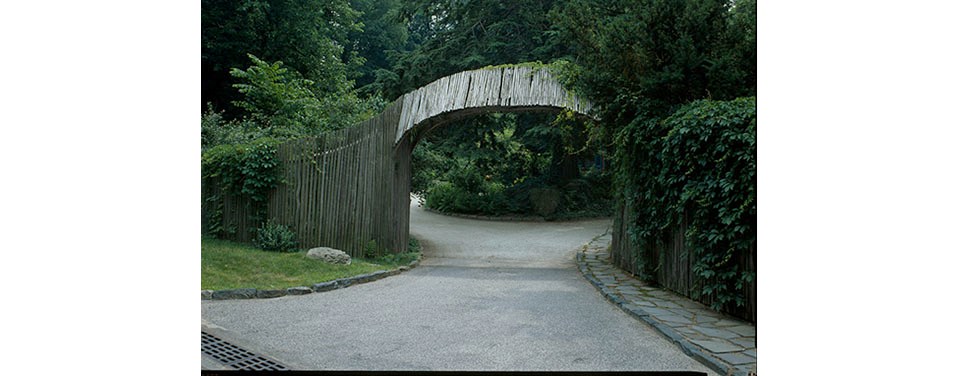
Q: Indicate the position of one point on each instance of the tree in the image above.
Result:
(383, 37)
(308, 36)
(455, 36)
(281, 100)
(651, 56)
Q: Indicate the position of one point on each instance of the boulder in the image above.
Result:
(329, 255)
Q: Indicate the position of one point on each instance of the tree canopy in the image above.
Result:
(653, 55)
(308, 36)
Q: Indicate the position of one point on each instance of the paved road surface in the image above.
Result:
(488, 296)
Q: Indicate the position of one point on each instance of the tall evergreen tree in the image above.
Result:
(654, 55)
(383, 37)
(461, 35)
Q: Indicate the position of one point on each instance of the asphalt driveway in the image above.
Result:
(487, 296)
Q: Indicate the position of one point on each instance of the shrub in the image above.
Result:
(214, 130)
(711, 162)
(276, 237)
(466, 190)
(414, 245)
(371, 250)
(291, 106)
(248, 171)
(277, 96)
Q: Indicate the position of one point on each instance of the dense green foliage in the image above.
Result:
(278, 98)
(249, 170)
(490, 166)
(284, 69)
(275, 237)
(215, 130)
(307, 35)
(699, 166)
(711, 150)
(454, 36)
(644, 58)
(382, 38)
(278, 103)
(371, 250)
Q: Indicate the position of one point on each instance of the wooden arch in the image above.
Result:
(501, 89)
(350, 189)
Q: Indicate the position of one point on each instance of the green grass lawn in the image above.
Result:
(230, 265)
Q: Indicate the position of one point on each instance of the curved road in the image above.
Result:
(487, 296)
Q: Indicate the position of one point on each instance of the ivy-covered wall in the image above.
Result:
(238, 178)
(688, 207)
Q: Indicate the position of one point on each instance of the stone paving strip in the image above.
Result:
(724, 343)
(251, 293)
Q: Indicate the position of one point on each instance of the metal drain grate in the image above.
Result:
(234, 356)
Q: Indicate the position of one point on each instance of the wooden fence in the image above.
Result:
(675, 264)
(340, 189)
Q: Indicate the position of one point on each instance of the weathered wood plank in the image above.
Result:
(485, 90)
(327, 159)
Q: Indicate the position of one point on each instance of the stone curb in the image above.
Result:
(233, 294)
(638, 313)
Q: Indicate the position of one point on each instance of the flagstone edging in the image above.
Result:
(700, 354)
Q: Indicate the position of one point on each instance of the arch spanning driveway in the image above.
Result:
(499, 89)
(505, 89)
(345, 188)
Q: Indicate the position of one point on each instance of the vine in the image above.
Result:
(249, 171)
(696, 166)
